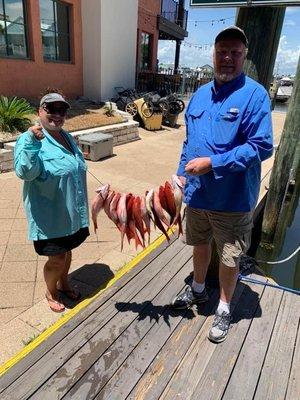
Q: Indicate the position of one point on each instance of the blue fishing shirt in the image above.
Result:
(54, 192)
(232, 125)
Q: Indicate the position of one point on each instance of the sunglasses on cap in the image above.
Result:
(53, 109)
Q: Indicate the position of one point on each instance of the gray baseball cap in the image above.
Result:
(52, 98)
(232, 32)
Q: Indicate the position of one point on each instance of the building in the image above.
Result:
(109, 46)
(84, 47)
(159, 20)
(40, 46)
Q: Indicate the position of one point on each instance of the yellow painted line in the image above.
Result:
(71, 313)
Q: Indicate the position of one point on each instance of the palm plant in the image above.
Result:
(14, 114)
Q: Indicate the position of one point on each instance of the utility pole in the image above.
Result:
(286, 165)
(262, 26)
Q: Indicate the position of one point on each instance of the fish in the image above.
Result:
(169, 193)
(177, 188)
(137, 215)
(145, 217)
(163, 200)
(122, 216)
(107, 203)
(98, 203)
(159, 210)
(113, 208)
(131, 231)
(149, 203)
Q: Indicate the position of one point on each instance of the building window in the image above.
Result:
(55, 17)
(145, 51)
(13, 40)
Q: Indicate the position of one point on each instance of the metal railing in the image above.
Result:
(181, 84)
(169, 10)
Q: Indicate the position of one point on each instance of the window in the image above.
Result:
(13, 41)
(55, 30)
(145, 51)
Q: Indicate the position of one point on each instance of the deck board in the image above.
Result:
(275, 373)
(129, 344)
(253, 352)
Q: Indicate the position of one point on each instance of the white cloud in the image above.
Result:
(287, 57)
(190, 56)
(289, 22)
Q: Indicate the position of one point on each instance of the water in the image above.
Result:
(281, 107)
(286, 241)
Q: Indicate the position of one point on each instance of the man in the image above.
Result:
(229, 134)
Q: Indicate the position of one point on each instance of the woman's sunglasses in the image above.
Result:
(51, 109)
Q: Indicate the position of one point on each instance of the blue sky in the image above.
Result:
(203, 34)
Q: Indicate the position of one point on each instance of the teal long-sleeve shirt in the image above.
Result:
(54, 192)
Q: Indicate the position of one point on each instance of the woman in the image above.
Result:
(54, 194)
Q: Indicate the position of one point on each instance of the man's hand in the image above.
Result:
(37, 131)
(198, 166)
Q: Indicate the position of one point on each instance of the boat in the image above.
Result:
(285, 88)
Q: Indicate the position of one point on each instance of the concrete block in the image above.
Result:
(6, 155)
(6, 165)
(10, 145)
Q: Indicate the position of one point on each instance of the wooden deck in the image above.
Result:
(128, 344)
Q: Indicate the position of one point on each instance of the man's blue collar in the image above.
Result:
(228, 86)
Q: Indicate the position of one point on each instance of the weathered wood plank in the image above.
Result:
(275, 373)
(294, 381)
(193, 365)
(149, 350)
(157, 318)
(213, 383)
(98, 346)
(242, 385)
(67, 340)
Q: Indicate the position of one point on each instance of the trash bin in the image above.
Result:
(151, 123)
(170, 120)
(95, 146)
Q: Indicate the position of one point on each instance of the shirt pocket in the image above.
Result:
(198, 128)
(225, 129)
(55, 164)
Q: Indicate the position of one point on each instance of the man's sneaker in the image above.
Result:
(220, 327)
(188, 298)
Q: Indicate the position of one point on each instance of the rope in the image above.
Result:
(95, 177)
(280, 261)
(251, 280)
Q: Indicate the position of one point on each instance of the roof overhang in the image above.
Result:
(169, 30)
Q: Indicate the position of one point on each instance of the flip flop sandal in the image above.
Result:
(55, 305)
(70, 294)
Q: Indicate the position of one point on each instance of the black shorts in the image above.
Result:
(60, 245)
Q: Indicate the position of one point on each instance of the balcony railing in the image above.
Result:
(169, 10)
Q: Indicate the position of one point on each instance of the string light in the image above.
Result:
(211, 21)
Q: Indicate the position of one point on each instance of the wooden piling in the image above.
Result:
(287, 159)
(262, 26)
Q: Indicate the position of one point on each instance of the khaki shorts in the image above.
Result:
(230, 230)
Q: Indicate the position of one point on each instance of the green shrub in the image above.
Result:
(14, 114)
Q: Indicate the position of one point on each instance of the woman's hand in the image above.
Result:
(37, 131)
(198, 166)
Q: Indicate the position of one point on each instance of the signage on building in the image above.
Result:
(243, 3)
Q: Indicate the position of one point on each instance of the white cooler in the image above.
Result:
(95, 146)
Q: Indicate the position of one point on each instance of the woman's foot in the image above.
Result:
(70, 293)
(54, 304)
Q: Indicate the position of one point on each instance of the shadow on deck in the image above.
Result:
(129, 344)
